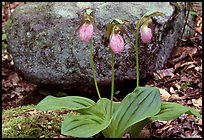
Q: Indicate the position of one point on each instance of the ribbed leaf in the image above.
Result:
(106, 103)
(135, 129)
(142, 103)
(83, 125)
(109, 132)
(170, 111)
(69, 102)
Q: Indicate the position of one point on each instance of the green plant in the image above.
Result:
(183, 85)
(194, 10)
(4, 46)
(113, 119)
(5, 50)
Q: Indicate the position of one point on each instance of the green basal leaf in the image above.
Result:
(142, 103)
(106, 102)
(118, 21)
(88, 11)
(85, 125)
(109, 132)
(135, 129)
(170, 111)
(69, 102)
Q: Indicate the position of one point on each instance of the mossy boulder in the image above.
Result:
(27, 122)
(47, 51)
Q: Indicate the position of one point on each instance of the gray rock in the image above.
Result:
(46, 50)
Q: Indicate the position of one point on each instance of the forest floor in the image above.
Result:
(181, 77)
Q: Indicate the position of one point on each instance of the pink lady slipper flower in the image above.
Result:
(116, 43)
(86, 32)
(146, 33)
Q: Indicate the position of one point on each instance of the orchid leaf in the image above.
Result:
(142, 103)
(170, 111)
(135, 129)
(88, 123)
(109, 132)
(69, 102)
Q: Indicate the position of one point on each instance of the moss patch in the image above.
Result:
(27, 122)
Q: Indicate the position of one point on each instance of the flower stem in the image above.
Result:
(94, 75)
(137, 59)
(112, 84)
(93, 69)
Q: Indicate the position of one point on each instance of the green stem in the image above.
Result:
(94, 74)
(93, 69)
(137, 59)
(112, 84)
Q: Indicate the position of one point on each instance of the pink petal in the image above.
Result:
(116, 43)
(86, 32)
(146, 34)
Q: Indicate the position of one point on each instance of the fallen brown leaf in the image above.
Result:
(197, 102)
(172, 90)
(165, 72)
(164, 94)
(185, 79)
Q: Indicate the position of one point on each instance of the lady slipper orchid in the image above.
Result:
(116, 43)
(86, 32)
(146, 33)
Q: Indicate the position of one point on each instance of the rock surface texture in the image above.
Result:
(47, 51)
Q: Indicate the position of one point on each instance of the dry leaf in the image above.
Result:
(175, 96)
(185, 79)
(15, 79)
(183, 51)
(198, 68)
(164, 94)
(177, 86)
(177, 65)
(165, 72)
(188, 63)
(178, 51)
(156, 76)
(190, 66)
(197, 102)
(191, 51)
(172, 90)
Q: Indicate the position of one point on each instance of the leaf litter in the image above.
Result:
(181, 77)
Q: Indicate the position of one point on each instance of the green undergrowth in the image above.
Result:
(26, 122)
